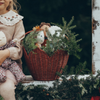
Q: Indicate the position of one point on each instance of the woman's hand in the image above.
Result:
(3, 55)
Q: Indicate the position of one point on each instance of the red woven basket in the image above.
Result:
(44, 68)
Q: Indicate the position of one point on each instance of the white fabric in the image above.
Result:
(10, 18)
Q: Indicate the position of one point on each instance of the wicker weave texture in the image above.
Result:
(44, 68)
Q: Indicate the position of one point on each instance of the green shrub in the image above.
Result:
(1, 98)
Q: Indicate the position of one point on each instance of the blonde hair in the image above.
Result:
(14, 5)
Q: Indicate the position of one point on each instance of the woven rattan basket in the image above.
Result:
(44, 68)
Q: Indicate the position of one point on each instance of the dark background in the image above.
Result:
(37, 11)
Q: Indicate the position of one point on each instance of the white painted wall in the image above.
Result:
(96, 36)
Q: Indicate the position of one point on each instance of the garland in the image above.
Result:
(68, 89)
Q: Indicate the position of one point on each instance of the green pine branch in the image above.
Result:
(69, 89)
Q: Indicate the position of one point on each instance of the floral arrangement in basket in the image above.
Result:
(47, 48)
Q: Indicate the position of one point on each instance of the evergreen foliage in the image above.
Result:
(1, 98)
(71, 88)
(79, 69)
(29, 41)
(66, 41)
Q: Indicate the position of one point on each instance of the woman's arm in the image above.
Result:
(3, 55)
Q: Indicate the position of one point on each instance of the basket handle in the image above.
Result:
(32, 30)
(28, 32)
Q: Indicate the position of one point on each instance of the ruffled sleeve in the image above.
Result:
(16, 52)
